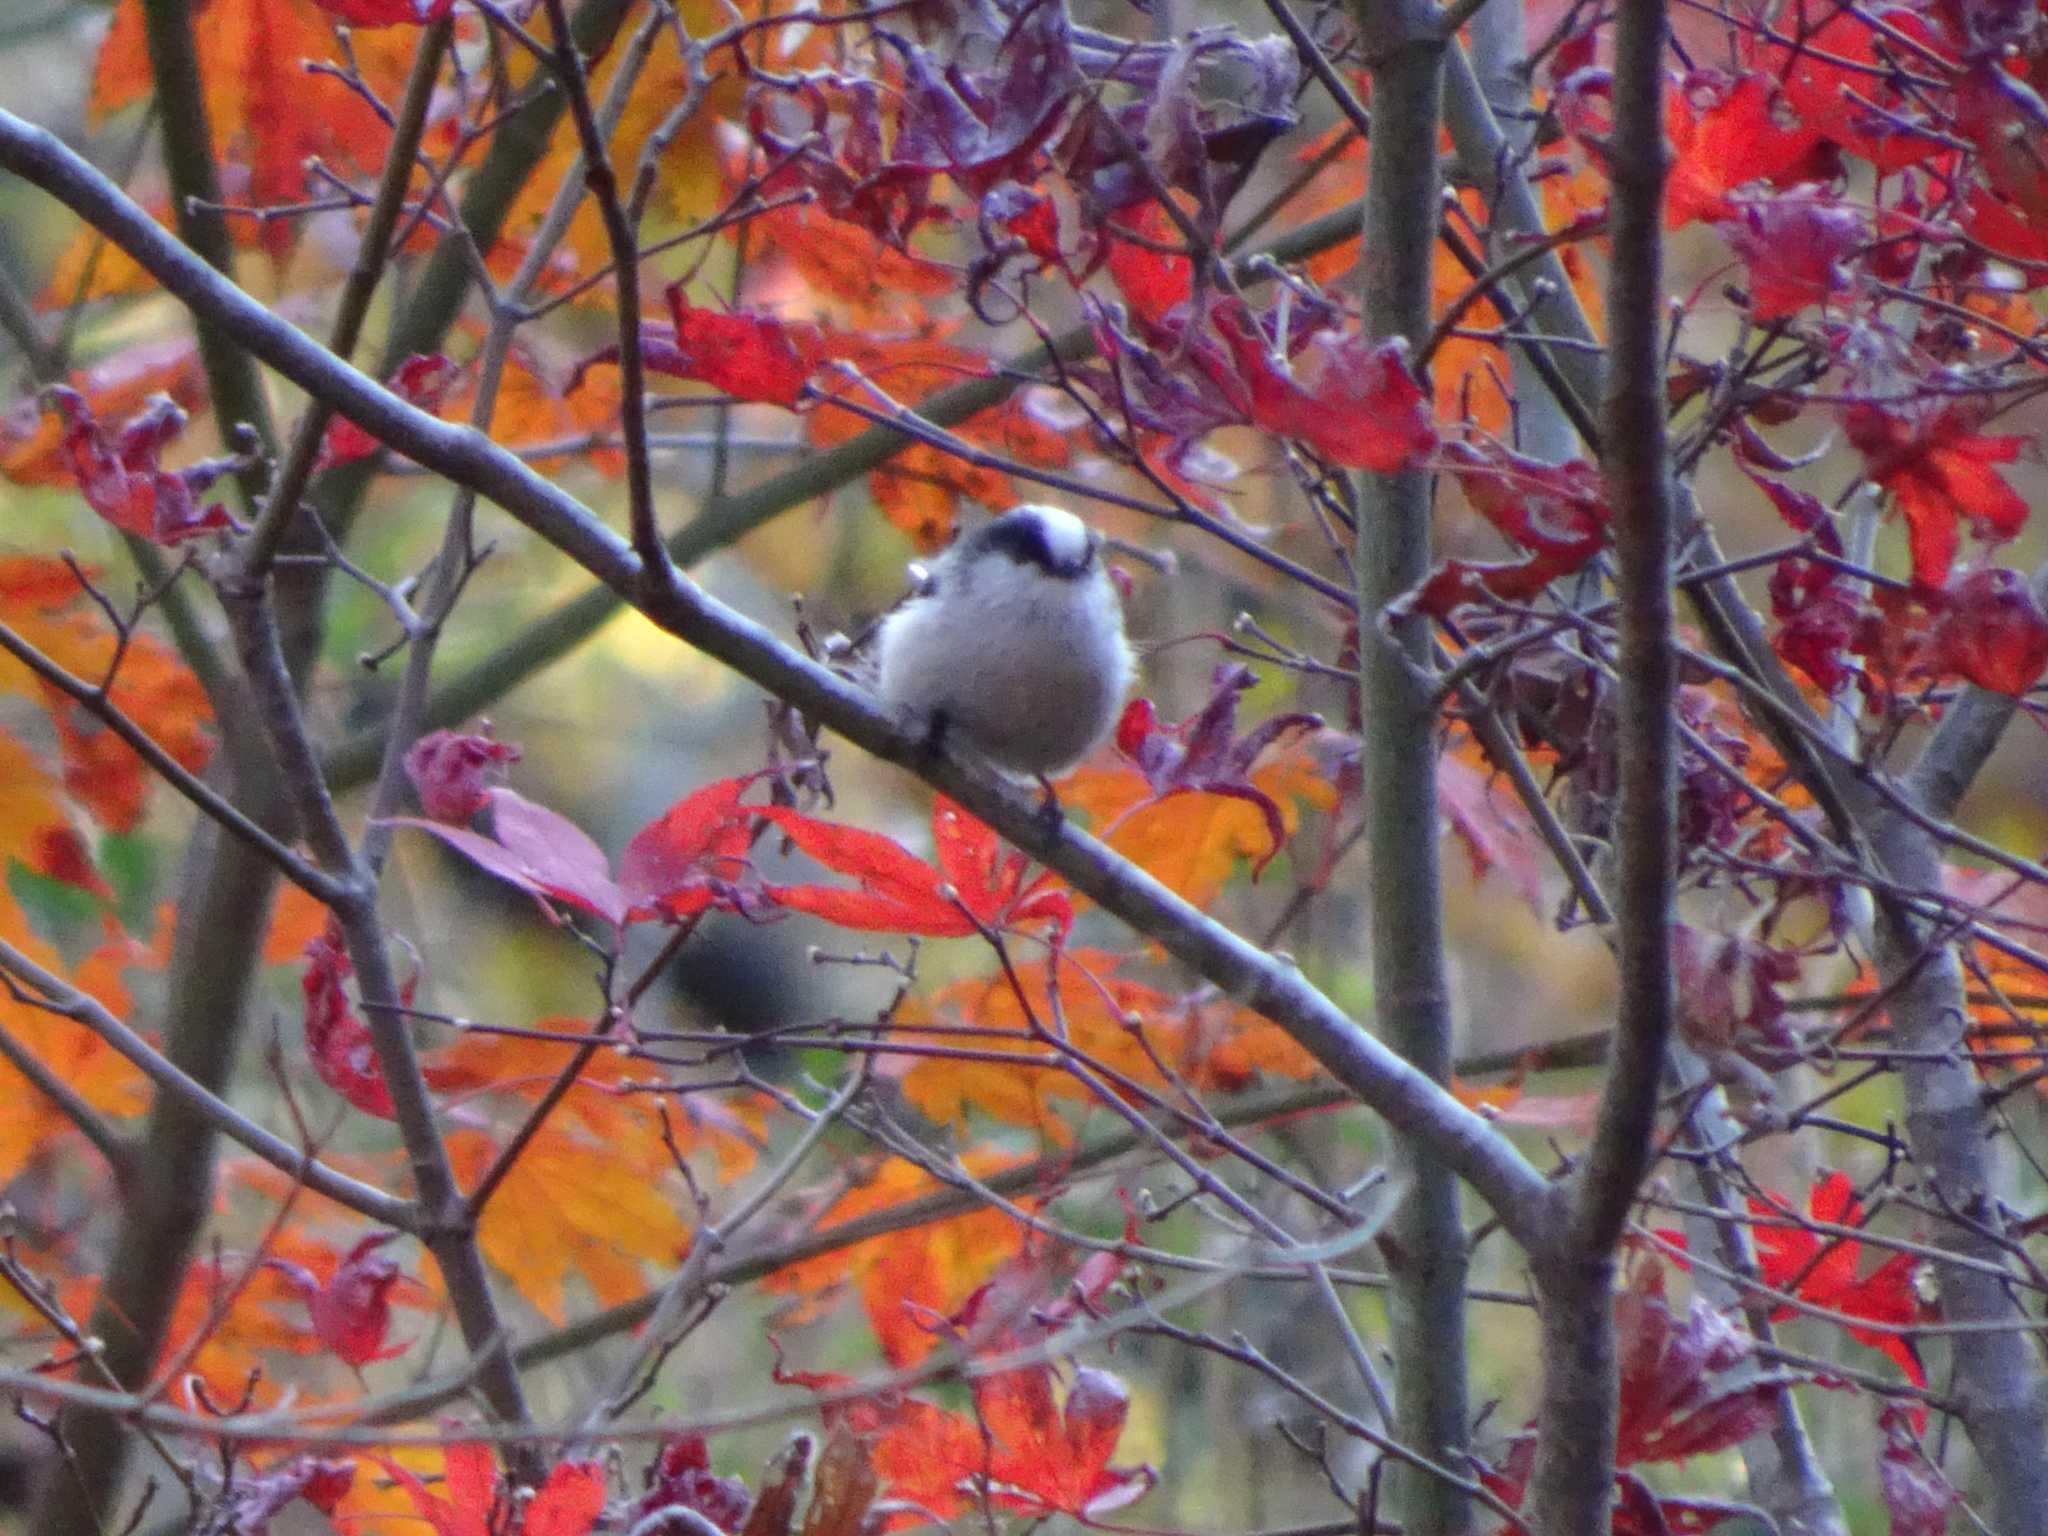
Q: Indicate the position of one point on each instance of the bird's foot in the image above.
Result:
(1051, 817)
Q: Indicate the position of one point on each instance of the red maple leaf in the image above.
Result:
(1556, 512)
(1351, 400)
(2012, 233)
(424, 379)
(1835, 68)
(1940, 469)
(1823, 1269)
(1726, 134)
(1298, 369)
(1991, 632)
(688, 858)
(2000, 115)
(1682, 1394)
(336, 1038)
(566, 1504)
(351, 1309)
(1033, 218)
(1677, 1398)
(748, 354)
(1793, 245)
(539, 850)
(974, 882)
(1153, 282)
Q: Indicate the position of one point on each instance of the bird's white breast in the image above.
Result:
(1031, 669)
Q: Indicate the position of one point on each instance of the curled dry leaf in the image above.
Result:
(118, 473)
(451, 771)
(336, 1037)
(351, 1308)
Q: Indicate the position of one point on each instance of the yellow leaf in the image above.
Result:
(934, 1267)
(689, 184)
(1194, 842)
(572, 1209)
(1129, 1036)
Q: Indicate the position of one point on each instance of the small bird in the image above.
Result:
(1015, 645)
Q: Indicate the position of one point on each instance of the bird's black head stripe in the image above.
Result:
(1022, 537)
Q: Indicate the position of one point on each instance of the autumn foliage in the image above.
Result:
(389, 1140)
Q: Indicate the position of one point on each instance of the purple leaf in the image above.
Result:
(1915, 1492)
(1204, 754)
(538, 851)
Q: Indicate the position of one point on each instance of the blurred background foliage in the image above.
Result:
(631, 721)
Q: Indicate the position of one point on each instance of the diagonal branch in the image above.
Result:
(60, 997)
(1270, 985)
(97, 702)
(554, 635)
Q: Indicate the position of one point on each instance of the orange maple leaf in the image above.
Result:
(1023, 1449)
(566, 1504)
(688, 184)
(93, 1069)
(908, 1277)
(153, 688)
(574, 1207)
(850, 276)
(265, 111)
(1724, 136)
(1194, 842)
(1133, 1032)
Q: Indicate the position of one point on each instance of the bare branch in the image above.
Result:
(1409, 1100)
(98, 703)
(60, 997)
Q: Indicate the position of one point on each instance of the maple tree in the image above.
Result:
(1594, 439)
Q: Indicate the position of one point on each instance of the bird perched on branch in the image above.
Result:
(1014, 645)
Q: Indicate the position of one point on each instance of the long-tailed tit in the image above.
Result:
(1015, 646)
